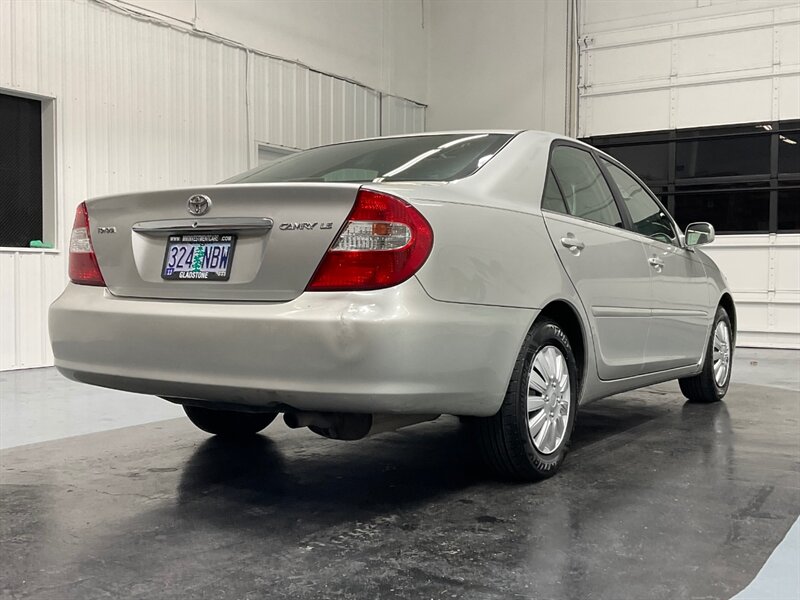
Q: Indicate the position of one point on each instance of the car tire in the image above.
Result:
(711, 385)
(512, 441)
(228, 423)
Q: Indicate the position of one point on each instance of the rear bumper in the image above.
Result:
(388, 351)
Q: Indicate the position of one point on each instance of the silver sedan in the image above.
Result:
(505, 277)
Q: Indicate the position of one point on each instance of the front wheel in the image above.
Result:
(711, 384)
(228, 423)
(528, 438)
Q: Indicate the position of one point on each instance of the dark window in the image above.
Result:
(20, 170)
(552, 198)
(729, 211)
(649, 161)
(660, 192)
(414, 158)
(789, 152)
(586, 192)
(736, 164)
(723, 157)
(789, 209)
(647, 216)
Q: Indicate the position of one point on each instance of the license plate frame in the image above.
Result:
(197, 273)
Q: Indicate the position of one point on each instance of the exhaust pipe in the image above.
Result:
(350, 426)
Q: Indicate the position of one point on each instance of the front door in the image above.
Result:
(681, 314)
(680, 307)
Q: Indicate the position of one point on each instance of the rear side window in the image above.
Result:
(552, 198)
(585, 190)
(647, 216)
(413, 158)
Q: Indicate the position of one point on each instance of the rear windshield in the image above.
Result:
(417, 158)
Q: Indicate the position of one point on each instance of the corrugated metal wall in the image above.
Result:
(644, 68)
(140, 105)
(401, 116)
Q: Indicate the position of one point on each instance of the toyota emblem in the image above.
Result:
(198, 205)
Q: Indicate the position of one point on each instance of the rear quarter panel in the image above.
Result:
(490, 256)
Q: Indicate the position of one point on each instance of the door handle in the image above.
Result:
(572, 243)
(656, 262)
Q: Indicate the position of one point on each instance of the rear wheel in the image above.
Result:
(529, 436)
(711, 384)
(227, 422)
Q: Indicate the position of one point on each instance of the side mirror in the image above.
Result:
(698, 234)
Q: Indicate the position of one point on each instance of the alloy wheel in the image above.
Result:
(549, 399)
(721, 353)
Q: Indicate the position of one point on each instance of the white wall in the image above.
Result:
(689, 63)
(498, 64)
(141, 105)
(381, 43)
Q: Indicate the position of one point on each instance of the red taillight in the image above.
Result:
(83, 267)
(384, 242)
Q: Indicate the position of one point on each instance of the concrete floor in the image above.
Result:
(658, 499)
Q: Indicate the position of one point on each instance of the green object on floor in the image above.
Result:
(39, 244)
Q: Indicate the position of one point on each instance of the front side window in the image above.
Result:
(647, 216)
(411, 158)
(586, 192)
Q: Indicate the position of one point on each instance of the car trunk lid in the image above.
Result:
(280, 234)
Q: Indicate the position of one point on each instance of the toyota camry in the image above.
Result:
(504, 277)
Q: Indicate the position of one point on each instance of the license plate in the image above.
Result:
(199, 256)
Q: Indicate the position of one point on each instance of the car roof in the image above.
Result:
(546, 135)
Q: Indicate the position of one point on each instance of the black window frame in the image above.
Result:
(774, 182)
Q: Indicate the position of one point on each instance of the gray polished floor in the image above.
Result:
(658, 499)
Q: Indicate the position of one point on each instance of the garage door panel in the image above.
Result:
(641, 62)
(789, 97)
(752, 316)
(787, 265)
(788, 40)
(788, 316)
(729, 102)
(603, 11)
(723, 52)
(747, 268)
(640, 111)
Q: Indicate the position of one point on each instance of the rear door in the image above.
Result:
(606, 263)
(680, 308)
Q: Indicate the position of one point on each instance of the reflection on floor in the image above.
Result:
(658, 499)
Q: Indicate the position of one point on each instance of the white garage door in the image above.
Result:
(675, 69)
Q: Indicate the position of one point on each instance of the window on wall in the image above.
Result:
(650, 161)
(21, 207)
(732, 210)
(742, 178)
(789, 208)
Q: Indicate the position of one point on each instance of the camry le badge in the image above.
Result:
(198, 204)
(304, 226)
